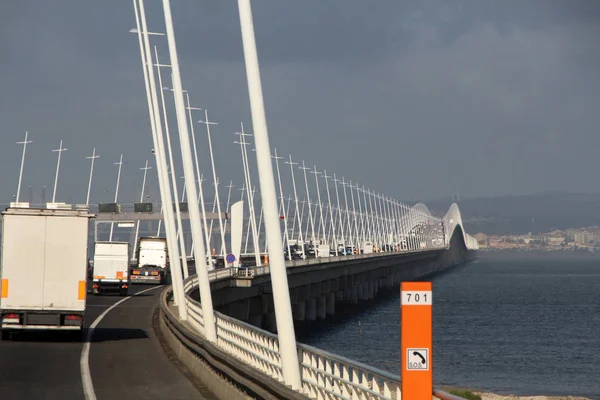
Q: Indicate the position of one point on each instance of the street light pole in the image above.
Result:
(180, 236)
(200, 179)
(340, 214)
(120, 164)
(304, 168)
(335, 240)
(92, 157)
(212, 160)
(231, 185)
(285, 227)
(137, 227)
(300, 236)
(281, 296)
(59, 151)
(24, 143)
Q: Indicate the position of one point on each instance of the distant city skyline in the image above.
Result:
(416, 100)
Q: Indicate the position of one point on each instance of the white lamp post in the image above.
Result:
(137, 226)
(120, 164)
(212, 160)
(59, 151)
(92, 157)
(24, 143)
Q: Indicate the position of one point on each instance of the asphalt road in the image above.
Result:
(126, 360)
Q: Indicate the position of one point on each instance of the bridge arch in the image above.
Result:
(452, 222)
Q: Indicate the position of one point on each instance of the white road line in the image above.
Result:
(84, 361)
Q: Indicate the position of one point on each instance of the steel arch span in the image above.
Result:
(453, 220)
(421, 229)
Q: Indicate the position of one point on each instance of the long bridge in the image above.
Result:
(229, 332)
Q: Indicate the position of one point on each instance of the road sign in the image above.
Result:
(230, 258)
(417, 359)
(416, 326)
(142, 207)
(108, 208)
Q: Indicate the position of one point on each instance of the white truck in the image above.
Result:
(111, 267)
(44, 269)
(152, 261)
(322, 249)
(368, 248)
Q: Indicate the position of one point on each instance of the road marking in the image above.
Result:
(84, 361)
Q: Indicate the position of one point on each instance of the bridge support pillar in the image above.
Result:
(322, 306)
(299, 311)
(354, 293)
(334, 285)
(311, 309)
(331, 303)
(363, 291)
(271, 321)
(267, 304)
(256, 312)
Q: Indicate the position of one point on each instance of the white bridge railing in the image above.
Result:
(324, 375)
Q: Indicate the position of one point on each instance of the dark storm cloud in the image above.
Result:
(412, 98)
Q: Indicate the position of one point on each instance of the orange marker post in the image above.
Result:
(416, 325)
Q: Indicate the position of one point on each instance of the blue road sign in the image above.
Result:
(230, 258)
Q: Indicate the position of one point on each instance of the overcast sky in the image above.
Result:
(415, 99)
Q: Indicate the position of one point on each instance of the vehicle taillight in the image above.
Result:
(11, 318)
(73, 317)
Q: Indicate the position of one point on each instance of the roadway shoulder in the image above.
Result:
(127, 360)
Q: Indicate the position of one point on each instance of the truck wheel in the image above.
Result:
(4, 335)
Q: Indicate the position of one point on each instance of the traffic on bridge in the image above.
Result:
(198, 294)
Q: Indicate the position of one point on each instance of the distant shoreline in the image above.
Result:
(535, 254)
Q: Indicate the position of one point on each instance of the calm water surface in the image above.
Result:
(507, 324)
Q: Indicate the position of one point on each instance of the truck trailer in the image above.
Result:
(111, 267)
(44, 268)
(152, 261)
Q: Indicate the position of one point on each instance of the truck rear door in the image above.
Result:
(66, 261)
(111, 261)
(23, 263)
